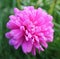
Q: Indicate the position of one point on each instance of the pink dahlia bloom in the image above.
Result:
(31, 29)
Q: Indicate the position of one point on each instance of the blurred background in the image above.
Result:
(6, 9)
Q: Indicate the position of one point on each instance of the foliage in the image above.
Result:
(6, 8)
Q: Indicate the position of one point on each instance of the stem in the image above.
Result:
(57, 25)
(14, 3)
(1, 28)
(18, 3)
(52, 6)
(28, 56)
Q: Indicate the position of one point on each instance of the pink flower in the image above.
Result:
(31, 29)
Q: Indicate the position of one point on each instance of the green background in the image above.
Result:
(6, 9)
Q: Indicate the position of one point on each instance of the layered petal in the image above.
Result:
(31, 29)
(27, 47)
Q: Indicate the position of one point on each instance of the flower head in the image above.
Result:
(31, 29)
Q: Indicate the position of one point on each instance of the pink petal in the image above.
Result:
(11, 25)
(29, 8)
(8, 35)
(38, 46)
(12, 17)
(14, 32)
(16, 11)
(12, 42)
(44, 43)
(33, 51)
(26, 47)
(16, 46)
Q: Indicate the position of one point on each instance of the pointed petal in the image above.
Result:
(33, 51)
(11, 25)
(16, 46)
(8, 35)
(16, 11)
(26, 47)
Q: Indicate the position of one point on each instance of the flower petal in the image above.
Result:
(33, 51)
(26, 47)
